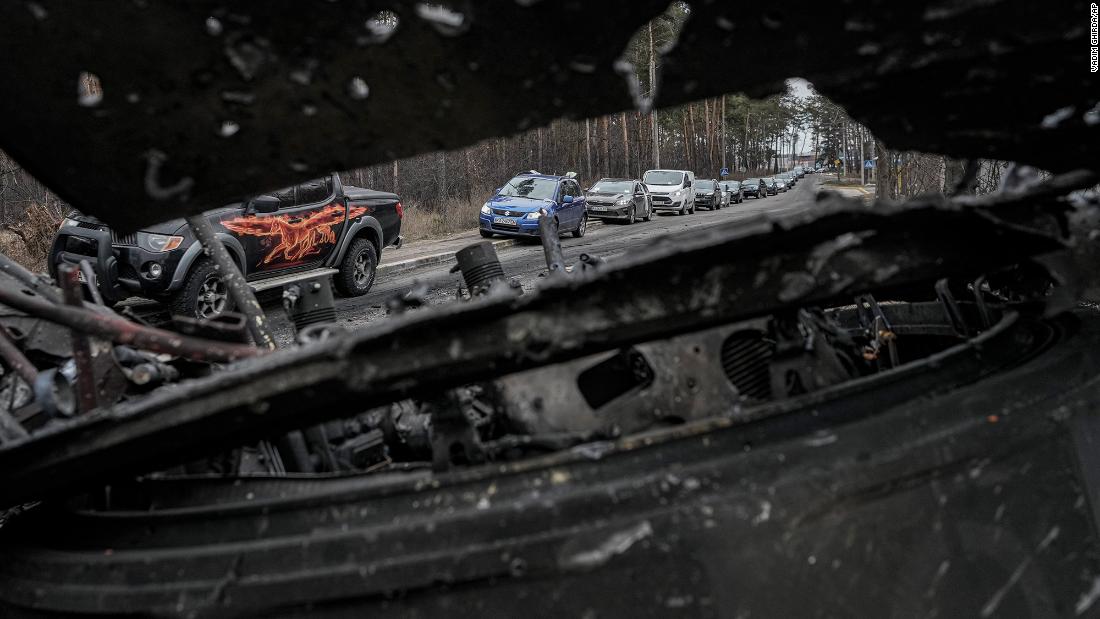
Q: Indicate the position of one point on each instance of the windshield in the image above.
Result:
(752, 181)
(731, 185)
(529, 187)
(707, 185)
(663, 177)
(613, 187)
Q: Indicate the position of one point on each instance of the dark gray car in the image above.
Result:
(754, 187)
(736, 193)
(621, 199)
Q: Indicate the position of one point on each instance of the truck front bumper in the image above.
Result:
(121, 271)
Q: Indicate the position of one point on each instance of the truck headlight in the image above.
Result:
(158, 243)
(485, 210)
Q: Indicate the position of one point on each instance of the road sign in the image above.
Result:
(725, 172)
(868, 164)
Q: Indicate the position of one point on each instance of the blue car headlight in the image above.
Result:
(485, 210)
(534, 215)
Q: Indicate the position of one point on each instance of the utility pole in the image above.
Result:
(745, 144)
(588, 146)
(817, 130)
(723, 121)
(862, 161)
(626, 147)
(539, 138)
(653, 100)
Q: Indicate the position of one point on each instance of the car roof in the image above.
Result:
(552, 177)
(624, 180)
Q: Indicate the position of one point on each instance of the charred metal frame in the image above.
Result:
(122, 331)
(381, 519)
(678, 505)
(725, 274)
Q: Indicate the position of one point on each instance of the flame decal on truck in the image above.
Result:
(294, 240)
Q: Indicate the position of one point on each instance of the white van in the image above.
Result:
(672, 190)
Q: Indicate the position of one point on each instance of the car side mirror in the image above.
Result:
(264, 204)
(567, 199)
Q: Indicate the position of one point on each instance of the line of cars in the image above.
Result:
(515, 207)
(774, 185)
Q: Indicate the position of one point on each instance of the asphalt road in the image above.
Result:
(526, 261)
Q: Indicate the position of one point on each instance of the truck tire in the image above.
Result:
(357, 271)
(203, 295)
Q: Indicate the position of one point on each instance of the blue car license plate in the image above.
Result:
(505, 221)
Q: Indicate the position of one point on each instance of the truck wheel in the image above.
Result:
(204, 294)
(356, 274)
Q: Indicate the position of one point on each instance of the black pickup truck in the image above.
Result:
(321, 227)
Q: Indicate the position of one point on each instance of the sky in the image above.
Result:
(801, 89)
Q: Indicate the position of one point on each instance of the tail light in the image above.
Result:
(400, 211)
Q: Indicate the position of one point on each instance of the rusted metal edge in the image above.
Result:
(122, 331)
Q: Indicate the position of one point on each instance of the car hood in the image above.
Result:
(601, 195)
(665, 189)
(172, 226)
(522, 205)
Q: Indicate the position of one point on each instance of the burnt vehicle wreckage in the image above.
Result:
(862, 411)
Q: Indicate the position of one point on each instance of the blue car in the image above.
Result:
(514, 209)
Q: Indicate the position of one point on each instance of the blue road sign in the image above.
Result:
(725, 172)
(868, 164)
